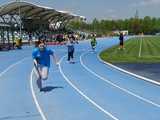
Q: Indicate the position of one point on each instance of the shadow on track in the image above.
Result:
(50, 88)
(19, 117)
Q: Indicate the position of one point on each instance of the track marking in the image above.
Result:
(13, 65)
(34, 97)
(140, 48)
(82, 94)
(113, 84)
(33, 94)
(129, 73)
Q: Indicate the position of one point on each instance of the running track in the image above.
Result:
(86, 90)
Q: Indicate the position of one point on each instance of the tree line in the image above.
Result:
(146, 25)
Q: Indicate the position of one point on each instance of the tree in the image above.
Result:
(147, 25)
(134, 25)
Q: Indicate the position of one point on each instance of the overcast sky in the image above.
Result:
(102, 9)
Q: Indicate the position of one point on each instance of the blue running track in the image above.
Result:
(86, 90)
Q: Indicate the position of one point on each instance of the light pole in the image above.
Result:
(20, 22)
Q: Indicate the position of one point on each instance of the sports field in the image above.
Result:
(137, 50)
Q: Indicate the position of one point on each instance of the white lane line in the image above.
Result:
(34, 97)
(130, 73)
(113, 84)
(140, 48)
(13, 65)
(83, 95)
(33, 94)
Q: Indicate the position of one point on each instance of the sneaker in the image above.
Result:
(71, 62)
(41, 89)
(67, 61)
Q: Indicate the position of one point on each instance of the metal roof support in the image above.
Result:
(2, 19)
(63, 19)
(47, 17)
(66, 22)
(8, 36)
(15, 20)
(54, 18)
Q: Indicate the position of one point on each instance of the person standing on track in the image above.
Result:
(121, 41)
(30, 39)
(41, 58)
(70, 46)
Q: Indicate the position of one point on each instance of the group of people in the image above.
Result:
(41, 57)
(62, 37)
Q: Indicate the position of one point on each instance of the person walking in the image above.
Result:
(93, 42)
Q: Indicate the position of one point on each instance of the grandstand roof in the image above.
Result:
(33, 11)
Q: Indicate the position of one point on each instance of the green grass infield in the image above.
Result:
(137, 50)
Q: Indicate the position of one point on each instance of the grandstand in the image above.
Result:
(19, 19)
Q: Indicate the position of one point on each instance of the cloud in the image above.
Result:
(110, 14)
(146, 3)
(111, 11)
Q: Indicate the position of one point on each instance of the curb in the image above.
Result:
(127, 72)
